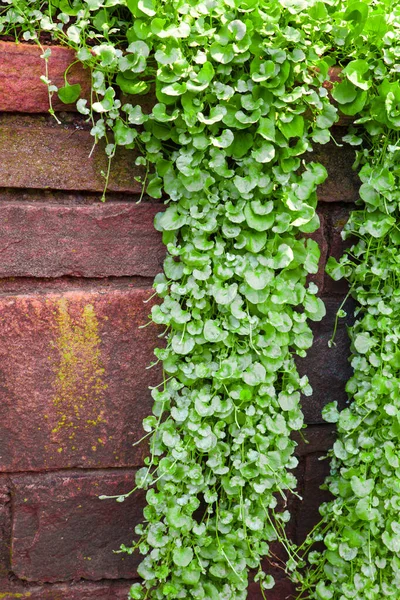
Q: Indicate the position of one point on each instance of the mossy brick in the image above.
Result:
(10, 589)
(62, 531)
(36, 153)
(328, 369)
(21, 67)
(74, 382)
(99, 240)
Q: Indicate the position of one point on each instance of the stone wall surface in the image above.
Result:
(75, 288)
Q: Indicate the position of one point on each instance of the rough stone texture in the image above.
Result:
(320, 236)
(21, 67)
(338, 217)
(73, 378)
(283, 590)
(343, 183)
(62, 531)
(328, 369)
(315, 438)
(36, 153)
(106, 590)
(100, 240)
(316, 471)
(5, 526)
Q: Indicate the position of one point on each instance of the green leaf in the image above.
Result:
(264, 153)
(355, 72)
(330, 413)
(182, 344)
(266, 128)
(293, 128)
(360, 487)
(182, 557)
(131, 86)
(323, 593)
(344, 92)
(314, 307)
(69, 93)
(363, 343)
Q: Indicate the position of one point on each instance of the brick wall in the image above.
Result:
(74, 273)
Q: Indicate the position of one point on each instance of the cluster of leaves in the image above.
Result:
(360, 526)
(238, 101)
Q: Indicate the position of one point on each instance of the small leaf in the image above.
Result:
(69, 93)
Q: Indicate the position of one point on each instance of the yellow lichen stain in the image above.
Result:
(79, 373)
(13, 595)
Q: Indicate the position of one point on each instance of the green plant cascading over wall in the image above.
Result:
(239, 102)
(361, 526)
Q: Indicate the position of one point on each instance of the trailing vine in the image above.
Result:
(239, 103)
(360, 527)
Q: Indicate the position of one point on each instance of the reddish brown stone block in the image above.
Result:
(338, 218)
(74, 383)
(5, 526)
(328, 369)
(21, 67)
(37, 153)
(62, 531)
(106, 590)
(315, 438)
(320, 236)
(101, 240)
(283, 590)
(343, 183)
(316, 471)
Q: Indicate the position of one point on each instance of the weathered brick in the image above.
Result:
(21, 67)
(106, 590)
(21, 90)
(283, 590)
(315, 438)
(74, 383)
(328, 369)
(62, 531)
(338, 217)
(5, 526)
(343, 183)
(320, 236)
(38, 153)
(101, 240)
(316, 471)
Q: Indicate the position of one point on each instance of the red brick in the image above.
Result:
(320, 236)
(37, 153)
(315, 474)
(106, 590)
(315, 438)
(74, 383)
(283, 590)
(338, 217)
(20, 70)
(343, 183)
(328, 369)
(5, 526)
(101, 240)
(62, 531)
